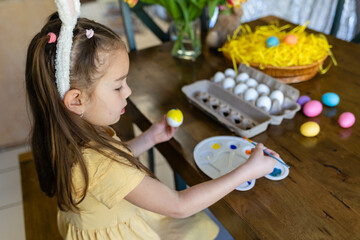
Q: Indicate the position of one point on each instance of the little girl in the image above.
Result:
(102, 190)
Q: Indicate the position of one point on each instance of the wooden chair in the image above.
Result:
(356, 39)
(138, 9)
(337, 18)
(146, 19)
(40, 211)
(336, 22)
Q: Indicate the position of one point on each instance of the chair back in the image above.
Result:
(138, 9)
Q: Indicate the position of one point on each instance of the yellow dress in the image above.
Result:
(105, 214)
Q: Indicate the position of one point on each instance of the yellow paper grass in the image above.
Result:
(250, 47)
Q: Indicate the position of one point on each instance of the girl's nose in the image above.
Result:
(129, 91)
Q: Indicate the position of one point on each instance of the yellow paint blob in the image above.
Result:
(310, 129)
(176, 115)
(216, 146)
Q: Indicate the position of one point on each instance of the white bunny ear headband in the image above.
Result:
(69, 11)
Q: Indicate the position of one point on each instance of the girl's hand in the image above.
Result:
(259, 164)
(161, 131)
(157, 133)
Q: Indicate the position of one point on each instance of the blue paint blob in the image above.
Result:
(276, 172)
(249, 182)
(233, 147)
(272, 42)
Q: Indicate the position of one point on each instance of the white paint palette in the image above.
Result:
(219, 155)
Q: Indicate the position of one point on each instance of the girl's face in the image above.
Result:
(108, 100)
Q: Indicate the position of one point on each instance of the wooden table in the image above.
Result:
(320, 199)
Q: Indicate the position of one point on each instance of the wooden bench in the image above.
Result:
(39, 210)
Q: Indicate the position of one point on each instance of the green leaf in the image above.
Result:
(184, 10)
(194, 12)
(160, 2)
(172, 8)
(199, 3)
(212, 5)
(187, 10)
(170, 5)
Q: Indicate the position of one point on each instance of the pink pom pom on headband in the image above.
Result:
(89, 33)
(52, 37)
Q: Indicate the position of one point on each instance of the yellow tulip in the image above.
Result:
(131, 3)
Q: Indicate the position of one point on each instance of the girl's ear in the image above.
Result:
(73, 100)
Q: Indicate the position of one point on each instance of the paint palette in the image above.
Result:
(219, 155)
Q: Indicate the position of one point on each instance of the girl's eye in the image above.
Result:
(118, 89)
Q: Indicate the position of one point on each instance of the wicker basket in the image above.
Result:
(293, 74)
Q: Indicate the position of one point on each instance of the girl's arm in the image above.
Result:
(154, 196)
(157, 133)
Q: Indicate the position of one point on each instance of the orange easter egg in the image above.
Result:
(291, 39)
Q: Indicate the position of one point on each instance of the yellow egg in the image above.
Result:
(174, 117)
(310, 129)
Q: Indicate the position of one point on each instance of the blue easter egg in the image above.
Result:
(330, 99)
(272, 42)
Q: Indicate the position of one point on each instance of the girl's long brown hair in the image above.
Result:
(58, 135)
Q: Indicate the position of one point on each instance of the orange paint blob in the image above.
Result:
(248, 152)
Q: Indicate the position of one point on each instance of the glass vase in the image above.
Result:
(187, 39)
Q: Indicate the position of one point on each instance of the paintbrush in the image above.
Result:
(253, 143)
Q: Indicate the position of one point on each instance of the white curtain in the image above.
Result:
(320, 13)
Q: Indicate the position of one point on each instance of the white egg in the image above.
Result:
(174, 117)
(230, 73)
(228, 83)
(277, 94)
(173, 123)
(240, 88)
(251, 94)
(219, 76)
(242, 77)
(251, 82)
(264, 102)
(263, 89)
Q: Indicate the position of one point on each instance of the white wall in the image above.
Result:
(20, 20)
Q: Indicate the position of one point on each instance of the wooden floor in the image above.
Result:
(39, 210)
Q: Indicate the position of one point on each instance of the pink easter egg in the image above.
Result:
(346, 120)
(312, 108)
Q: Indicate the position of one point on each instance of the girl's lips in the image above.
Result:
(123, 110)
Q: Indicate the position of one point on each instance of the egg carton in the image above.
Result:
(262, 91)
(237, 115)
(246, 103)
